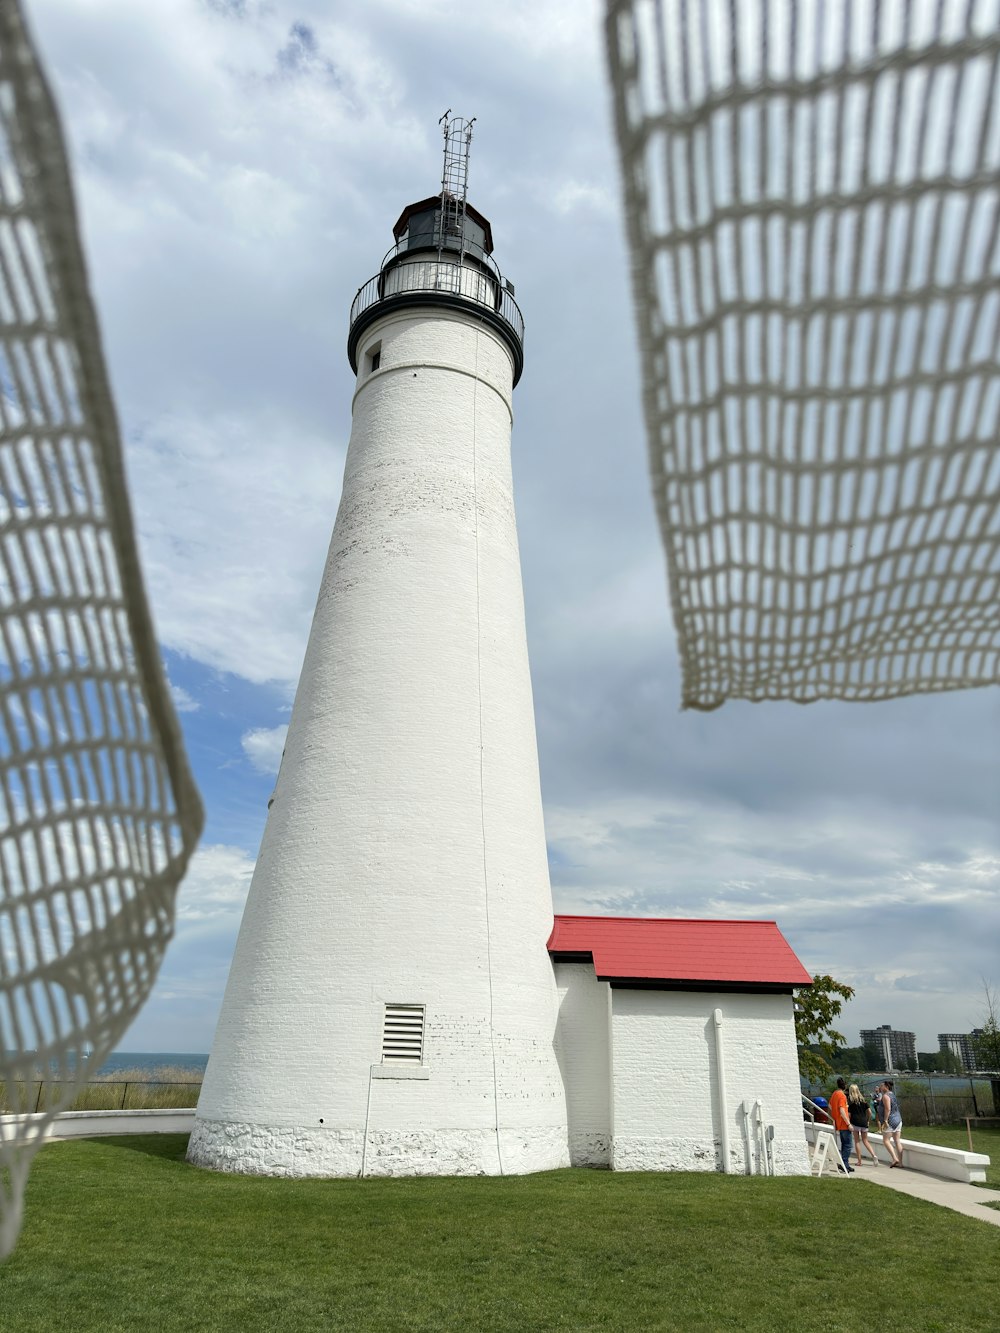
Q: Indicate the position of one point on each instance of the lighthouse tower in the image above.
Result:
(391, 1005)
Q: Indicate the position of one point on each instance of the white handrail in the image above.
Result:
(826, 1127)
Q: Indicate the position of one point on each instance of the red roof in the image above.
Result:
(646, 949)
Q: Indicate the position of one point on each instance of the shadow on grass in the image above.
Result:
(167, 1147)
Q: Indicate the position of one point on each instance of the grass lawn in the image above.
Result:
(984, 1139)
(121, 1234)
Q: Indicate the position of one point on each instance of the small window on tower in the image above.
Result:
(403, 1033)
(373, 358)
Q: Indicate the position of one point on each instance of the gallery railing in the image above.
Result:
(405, 272)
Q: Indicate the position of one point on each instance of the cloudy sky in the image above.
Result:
(239, 165)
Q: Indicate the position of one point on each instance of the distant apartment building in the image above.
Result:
(891, 1049)
(961, 1044)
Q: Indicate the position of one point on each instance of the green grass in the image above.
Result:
(121, 1234)
(984, 1139)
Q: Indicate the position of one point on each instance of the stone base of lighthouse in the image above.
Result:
(483, 1101)
(281, 1150)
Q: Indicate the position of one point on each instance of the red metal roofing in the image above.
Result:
(657, 949)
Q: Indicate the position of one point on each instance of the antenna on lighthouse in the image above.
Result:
(454, 179)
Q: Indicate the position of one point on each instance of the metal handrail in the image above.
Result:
(423, 276)
(811, 1108)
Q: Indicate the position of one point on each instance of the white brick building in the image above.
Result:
(676, 1042)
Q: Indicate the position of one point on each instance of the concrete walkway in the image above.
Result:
(967, 1199)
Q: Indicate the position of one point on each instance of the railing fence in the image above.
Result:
(926, 1099)
(20, 1095)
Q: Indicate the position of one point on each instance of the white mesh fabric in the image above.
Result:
(813, 206)
(98, 814)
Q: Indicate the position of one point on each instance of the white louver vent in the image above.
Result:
(403, 1033)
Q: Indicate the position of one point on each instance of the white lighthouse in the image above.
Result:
(391, 1006)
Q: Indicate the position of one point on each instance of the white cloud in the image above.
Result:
(849, 887)
(215, 887)
(569, 196)
(181, 1012)
(264, 746)
(235, 515)
(227, 231)
(183, 701)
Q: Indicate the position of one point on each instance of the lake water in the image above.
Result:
(119, 1060)
(954, 1085)
(140, 1060)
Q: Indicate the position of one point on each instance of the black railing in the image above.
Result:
(926, 1099)
(406, 272)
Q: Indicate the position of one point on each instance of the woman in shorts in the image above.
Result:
(860, 1114)
(892, 1125)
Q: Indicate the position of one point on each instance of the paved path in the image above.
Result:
(967, 1199)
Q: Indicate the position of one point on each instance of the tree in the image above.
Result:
(941, 1062)
(816, 1009)
(874, 1058)
(950, 1063)
(850, 1060)
(986, 1042)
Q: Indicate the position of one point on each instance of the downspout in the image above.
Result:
(758, 1138)
(368, 1114)
(720, 1065)
(747, 1110)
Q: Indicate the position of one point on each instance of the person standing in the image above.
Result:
(877, 1105)
(842, 1123)
(892, 1124)
(860, 1114)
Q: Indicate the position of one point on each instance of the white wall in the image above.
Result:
(583, 1048)
(665, 1079)
(88, 1124)
(404, 856)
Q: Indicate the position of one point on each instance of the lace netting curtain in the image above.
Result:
(813, 202)
(98, 812)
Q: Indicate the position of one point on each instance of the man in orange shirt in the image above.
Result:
(841, 1118)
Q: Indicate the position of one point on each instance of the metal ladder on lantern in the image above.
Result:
(454, 180)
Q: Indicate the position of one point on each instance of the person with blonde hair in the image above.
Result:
(892, 1124)
(860, 1114)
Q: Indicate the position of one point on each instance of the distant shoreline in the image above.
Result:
(151, 1060)
(132, 1060)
